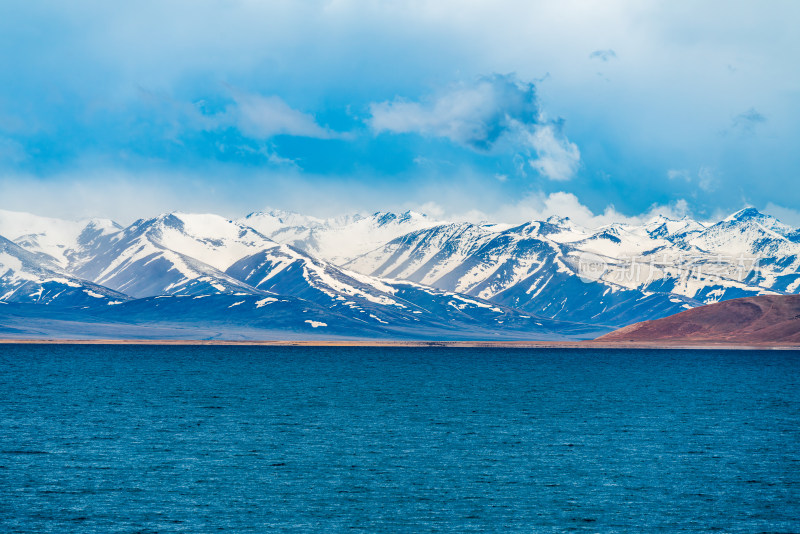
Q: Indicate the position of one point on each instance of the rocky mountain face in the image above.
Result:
(769, 319)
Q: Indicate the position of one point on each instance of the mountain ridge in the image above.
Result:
(423, 273)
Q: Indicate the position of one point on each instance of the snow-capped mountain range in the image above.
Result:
(339, 239)
(381, 275)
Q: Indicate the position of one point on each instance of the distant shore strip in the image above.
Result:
(589, 344)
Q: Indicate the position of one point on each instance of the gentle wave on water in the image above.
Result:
(258, 439)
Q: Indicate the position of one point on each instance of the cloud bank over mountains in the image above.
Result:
(493, 114)
(347, 105)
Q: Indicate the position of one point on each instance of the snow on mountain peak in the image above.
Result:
(272, 220)
(751, 216)
(745, 214)
(558, 220)
(58, 238)
(560, 229)
(103, 226)
(337, 239)
(410, 215)
(211, 239)
(30, 277)
(388, 217)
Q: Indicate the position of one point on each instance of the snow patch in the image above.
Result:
(265, 301)
(378, 319)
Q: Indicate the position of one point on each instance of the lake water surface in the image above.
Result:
(262, 439)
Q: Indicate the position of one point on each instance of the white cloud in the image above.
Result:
(129, 195)
(263, 117)
(705, 178)
(255, 116)
(432, 209)
(464, 115)
(494, 114)
(381, 49)
(676, 174)
(539, 206)
(556, 157)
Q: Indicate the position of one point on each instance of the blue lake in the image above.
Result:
(255, 439)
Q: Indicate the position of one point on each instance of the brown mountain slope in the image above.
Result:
(763, 319)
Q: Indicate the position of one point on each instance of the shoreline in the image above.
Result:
(589, 344)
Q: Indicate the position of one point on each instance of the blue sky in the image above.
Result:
(477, 110)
